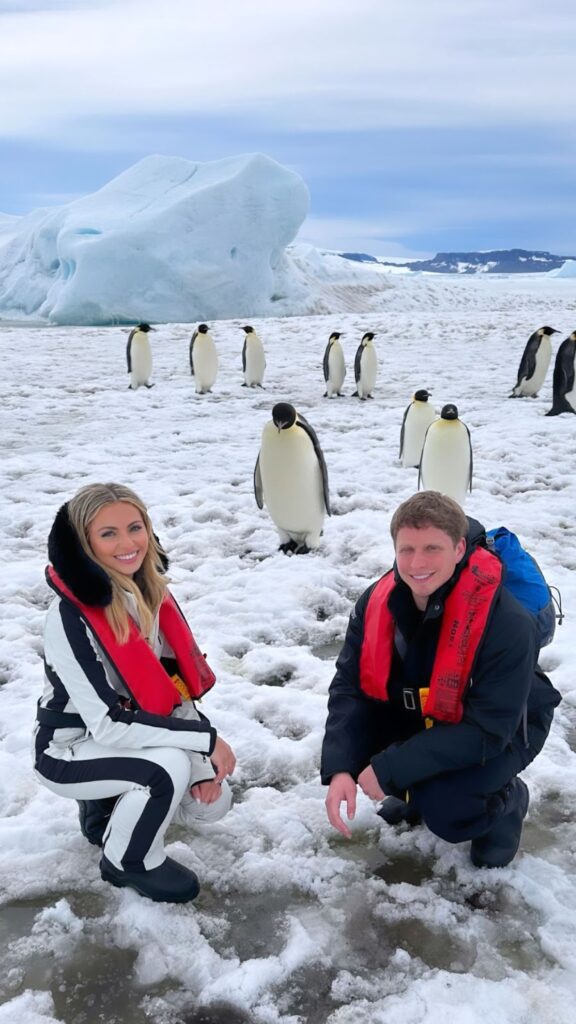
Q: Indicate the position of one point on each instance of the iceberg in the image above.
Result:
(568, 269)
(168, 240)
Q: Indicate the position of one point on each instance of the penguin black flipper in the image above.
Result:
(563, 377)
(565, 364)
(325, 365)
(471, 460)
(258, 489)
(358, 362)
(528, 361)
(192, 340)
(244, 356)
(404, 418)
(303, 422)
(129, 350)
(420, 463)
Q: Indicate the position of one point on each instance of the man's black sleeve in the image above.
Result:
(352, 726)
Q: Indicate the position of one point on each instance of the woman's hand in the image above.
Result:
(223, 759)
(206, 792)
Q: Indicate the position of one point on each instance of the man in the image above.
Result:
(438, 702)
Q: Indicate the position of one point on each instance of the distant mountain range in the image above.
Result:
(498, 261)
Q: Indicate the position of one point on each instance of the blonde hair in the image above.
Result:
(149, 587)
(430, 508)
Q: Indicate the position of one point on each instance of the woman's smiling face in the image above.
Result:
(118, 537)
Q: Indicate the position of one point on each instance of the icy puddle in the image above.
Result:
(328, 651)
(420, 923)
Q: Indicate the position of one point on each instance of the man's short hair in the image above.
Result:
(430, 508)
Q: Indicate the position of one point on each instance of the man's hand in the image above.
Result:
(223, 759)
(342, 788)
(369, 784)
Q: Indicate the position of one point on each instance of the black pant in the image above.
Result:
(464, 804)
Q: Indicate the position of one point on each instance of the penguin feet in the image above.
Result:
(559, 408)
(289, 547)
(293, 547)
(148, 385)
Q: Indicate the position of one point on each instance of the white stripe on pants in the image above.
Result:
(140, 818)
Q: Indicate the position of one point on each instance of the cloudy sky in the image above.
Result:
(417, 126)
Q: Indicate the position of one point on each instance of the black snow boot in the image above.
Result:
(169, 883)
(94, 817)
(394, 811)
(497, 847)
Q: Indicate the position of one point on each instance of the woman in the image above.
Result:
(117, 728)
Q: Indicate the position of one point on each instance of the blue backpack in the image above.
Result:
(525, 580)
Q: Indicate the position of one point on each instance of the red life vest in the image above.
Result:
(466, 612)
(141, 672)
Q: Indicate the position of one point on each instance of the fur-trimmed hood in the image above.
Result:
(81, 574)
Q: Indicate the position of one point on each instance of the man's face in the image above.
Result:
(425, 559)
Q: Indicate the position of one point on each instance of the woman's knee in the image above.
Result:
(191, 811)
(171, 764)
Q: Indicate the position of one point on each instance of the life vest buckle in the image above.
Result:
(409, 700)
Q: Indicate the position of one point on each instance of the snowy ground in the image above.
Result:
(294, 923)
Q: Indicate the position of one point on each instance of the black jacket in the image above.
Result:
(508, 692)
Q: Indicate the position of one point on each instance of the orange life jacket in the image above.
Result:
(466, 612)
(145, 678)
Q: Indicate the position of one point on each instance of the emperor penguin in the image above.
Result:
(203, 359)
(365, 367)
(139, 357)
(534, 363)
(563, 389)
(253, 359)
(417, 418)
(334, 366)
(446, 462)
(291, 479)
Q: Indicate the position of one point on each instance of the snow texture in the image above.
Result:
(168, 239)
(294, 924)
